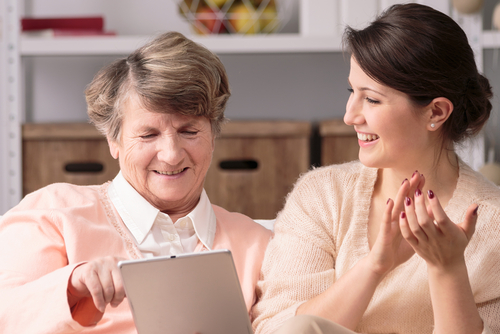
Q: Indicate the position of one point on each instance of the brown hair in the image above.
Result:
(170, 74)
(425, 54)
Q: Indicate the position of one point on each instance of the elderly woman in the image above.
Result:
(349, 256)
(160, 110)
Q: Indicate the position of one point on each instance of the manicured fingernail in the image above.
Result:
(414, 173)
(418, 192)
(403, 215)
(475, 210)
(408, 201)
(404, 181)
(430, 194)
(388, 200)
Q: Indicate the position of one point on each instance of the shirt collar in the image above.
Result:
(139, 215)
(204, 221)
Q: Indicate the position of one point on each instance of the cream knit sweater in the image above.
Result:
(322, 233)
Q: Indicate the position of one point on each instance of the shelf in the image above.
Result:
(280, 43)
(222, 44)
(491, 39)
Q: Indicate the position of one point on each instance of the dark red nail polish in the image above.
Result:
(408, 201)
(418, 192)
(403, 214)
(415, 172)
(430, 194)
(388, 200)
(475, 210)
(404, 181)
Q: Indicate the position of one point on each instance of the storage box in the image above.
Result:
(339, 142)
(75, 153)
(255, 165)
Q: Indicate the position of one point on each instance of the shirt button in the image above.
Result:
(171, 237)
(183, 224)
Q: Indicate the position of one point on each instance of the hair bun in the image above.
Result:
(478, 106)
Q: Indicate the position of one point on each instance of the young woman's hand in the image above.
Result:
(433, 236)
(390, 249)
(442, 243)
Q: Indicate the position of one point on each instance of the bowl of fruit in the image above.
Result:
(208, 17)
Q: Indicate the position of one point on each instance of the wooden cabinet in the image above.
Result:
(74, 153)
(255, 165)
(339, 142)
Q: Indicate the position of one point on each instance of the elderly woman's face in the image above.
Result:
(165, 157)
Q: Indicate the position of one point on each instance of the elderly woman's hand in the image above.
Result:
(99, 279)
(438, 240)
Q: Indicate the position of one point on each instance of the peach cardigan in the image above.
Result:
(61, 226)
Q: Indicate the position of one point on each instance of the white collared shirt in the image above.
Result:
(154, 232)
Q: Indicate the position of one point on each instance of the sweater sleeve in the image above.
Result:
(489, 312)
(483, 253)
(300, 260)
(34, 274)
(483, 266)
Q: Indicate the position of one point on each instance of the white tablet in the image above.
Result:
(186, 294)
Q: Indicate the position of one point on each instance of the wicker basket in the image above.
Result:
(235, 16)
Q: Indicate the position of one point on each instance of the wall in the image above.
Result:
(269, 86)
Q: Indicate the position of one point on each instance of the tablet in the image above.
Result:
(186, 294)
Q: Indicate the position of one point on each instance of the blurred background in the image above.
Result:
(301, 84)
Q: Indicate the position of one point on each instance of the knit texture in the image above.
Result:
(322, 233)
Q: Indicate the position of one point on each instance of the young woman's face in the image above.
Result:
(165, 157)
(391, 130)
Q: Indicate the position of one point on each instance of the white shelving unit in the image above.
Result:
(10, 110)
(490, 39)
(223, 44)
(280, 43)
(321, 23)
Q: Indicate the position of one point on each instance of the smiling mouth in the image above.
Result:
(367, 137)
(175, 172)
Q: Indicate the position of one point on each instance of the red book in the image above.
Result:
(70, 23)
(67, 33)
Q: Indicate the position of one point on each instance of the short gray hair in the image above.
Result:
(170, 74)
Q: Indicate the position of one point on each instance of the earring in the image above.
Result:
(433, 125)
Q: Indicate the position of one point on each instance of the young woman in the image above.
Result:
(346, 251)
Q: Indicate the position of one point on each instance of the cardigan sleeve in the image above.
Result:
(483, 266)
(482, 254)
(300, 260)
(34, 274)
(489, 312)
